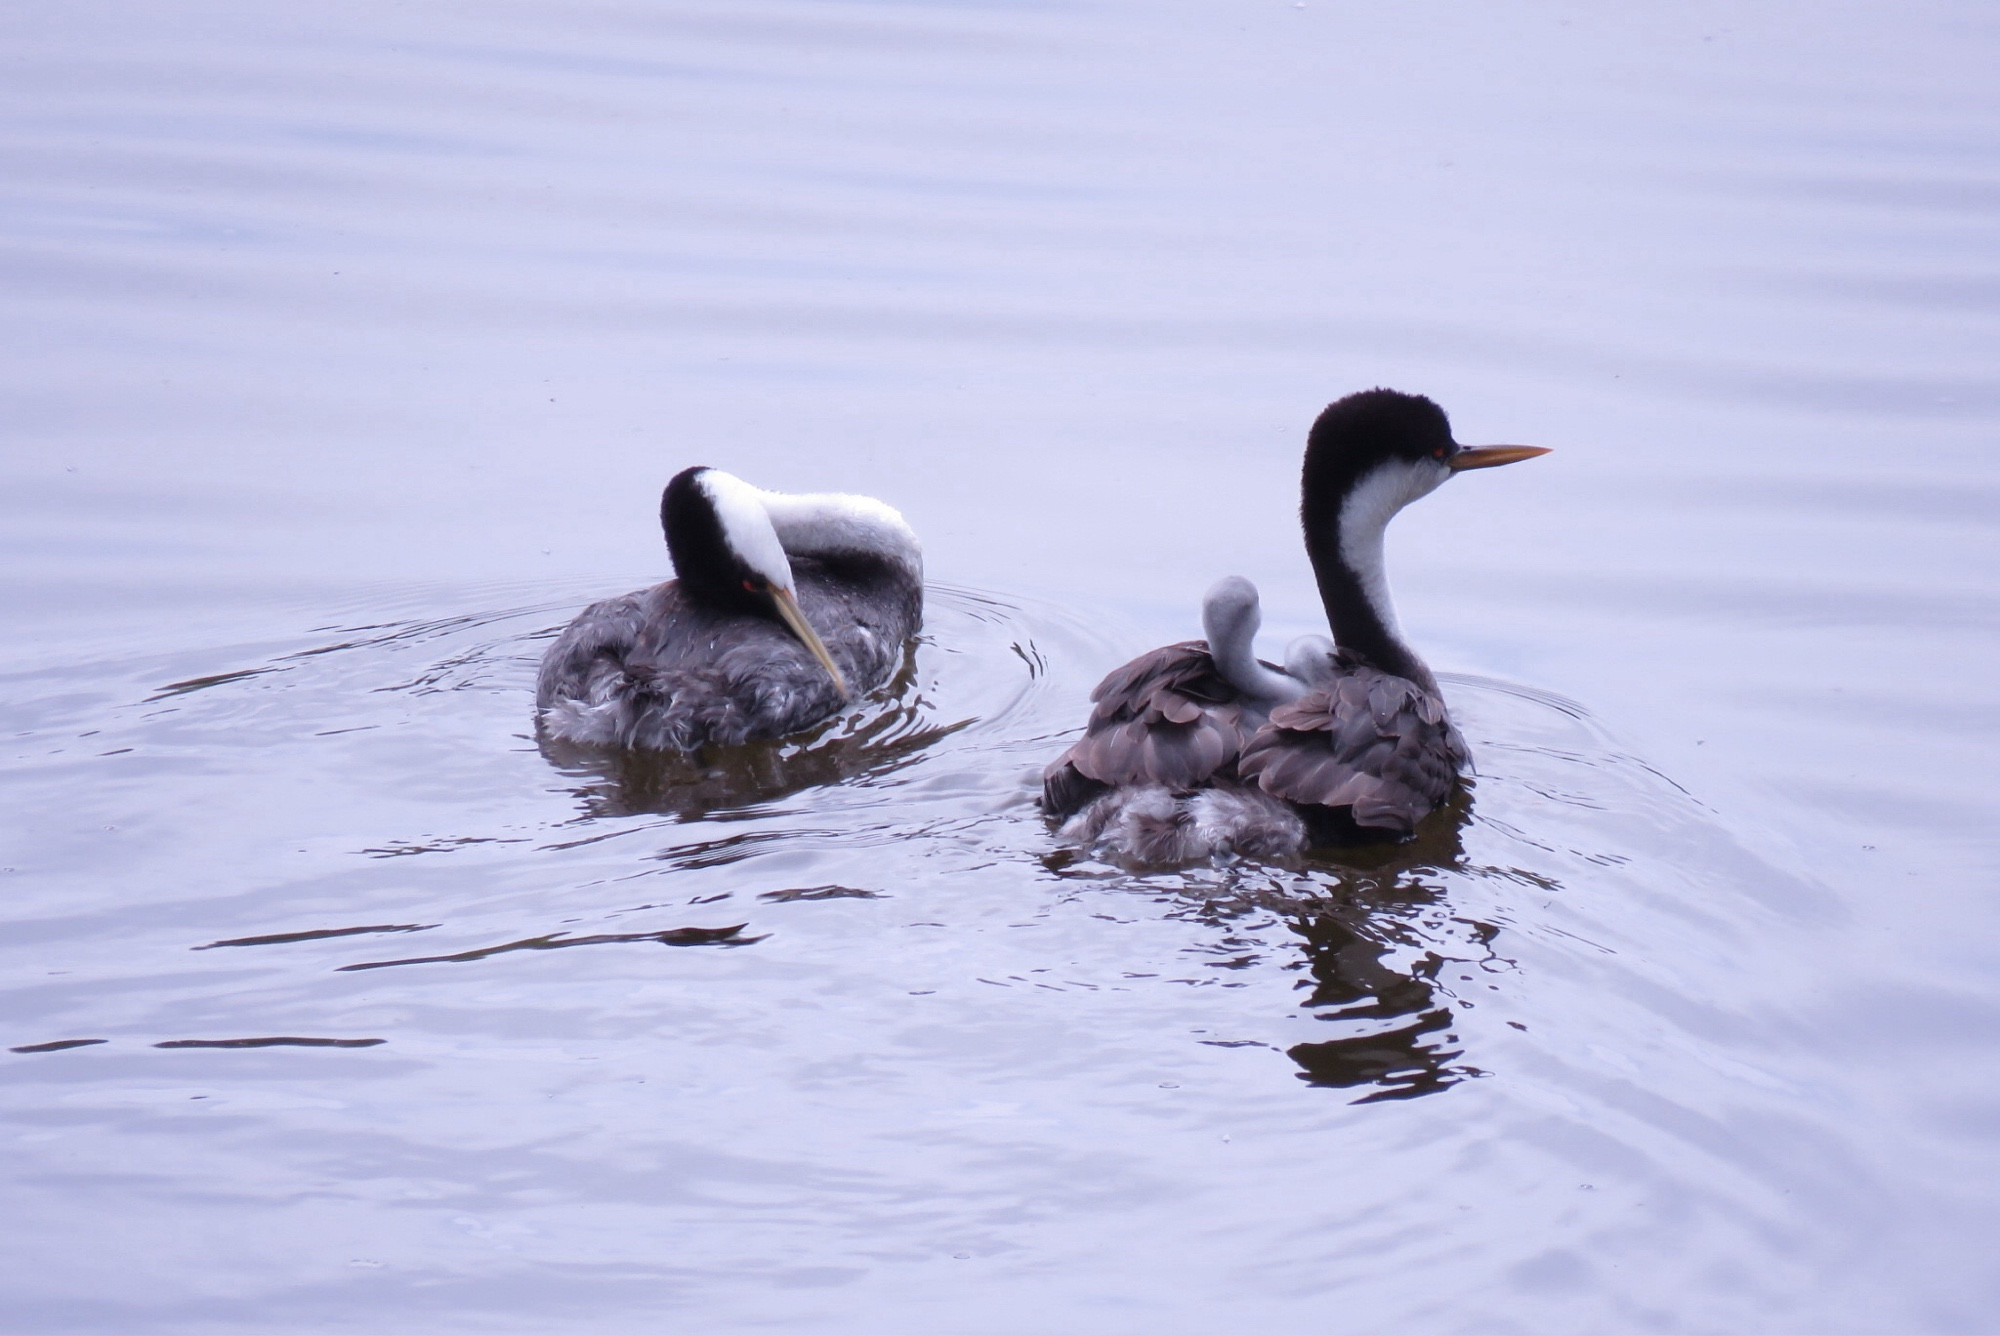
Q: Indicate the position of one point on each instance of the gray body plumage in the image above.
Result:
(784, 606)
(656, 670)
(1177, 765)
(1159, 826)
(1375, 750)
(1166, 719)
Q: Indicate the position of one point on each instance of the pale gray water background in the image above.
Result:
(346, 351)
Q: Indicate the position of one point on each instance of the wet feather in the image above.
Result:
(1166, 718)
(658, 671)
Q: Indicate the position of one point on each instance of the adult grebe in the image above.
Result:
(1198, 749)
(783, 606)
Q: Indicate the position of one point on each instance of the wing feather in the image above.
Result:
(1370, 742)
(657, 671)
(1166, 718)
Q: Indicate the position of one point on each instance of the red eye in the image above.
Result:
(1438, 453)
(749, 586)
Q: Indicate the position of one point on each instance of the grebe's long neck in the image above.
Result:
(832, 526)
(1237, 661)
(1344, 540)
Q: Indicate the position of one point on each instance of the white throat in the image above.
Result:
(1364, 519)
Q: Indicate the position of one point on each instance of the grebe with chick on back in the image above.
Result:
(1199, 749)
(783, 608)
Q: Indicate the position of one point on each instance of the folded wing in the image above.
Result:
(1168, 717)
(1375, 744)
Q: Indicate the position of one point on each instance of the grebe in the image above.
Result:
(1199, 749)
(784, 607)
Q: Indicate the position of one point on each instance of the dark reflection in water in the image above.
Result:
(889, 731)
(1356, 984)
(313, 935)
(1377, 934)
(55, 1045)
(729, 936)
(173, 689)
(1372, 946)
(272, 1041)
(818, 893)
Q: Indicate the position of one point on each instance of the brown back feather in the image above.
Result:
(1370, 741)
(1167, 717)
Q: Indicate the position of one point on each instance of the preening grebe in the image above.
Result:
(783, 607)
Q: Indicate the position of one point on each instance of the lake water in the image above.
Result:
(347, 350)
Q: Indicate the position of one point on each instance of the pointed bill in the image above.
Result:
(795, 618)
(1491, 456)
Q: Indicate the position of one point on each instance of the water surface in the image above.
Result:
(348, 352)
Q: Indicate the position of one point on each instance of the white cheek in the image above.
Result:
(1378, 496)
(1422, 478)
